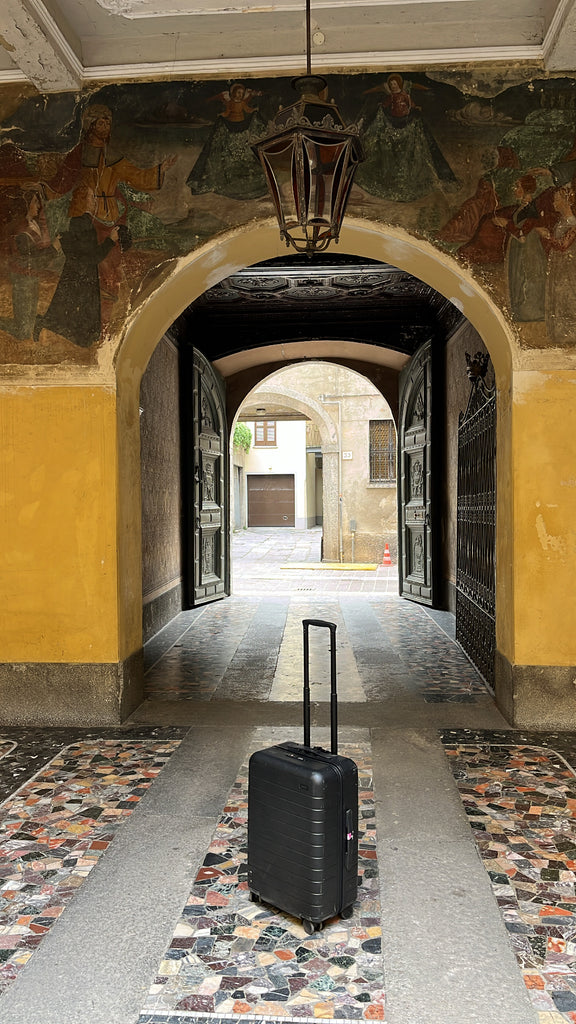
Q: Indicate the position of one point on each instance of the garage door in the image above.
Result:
(271, 500)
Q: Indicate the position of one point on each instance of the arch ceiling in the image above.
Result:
(275, 399)
(286, 403)
(60, 45)
(331, 298)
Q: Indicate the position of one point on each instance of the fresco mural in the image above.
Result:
(404, 161)
(98, 193)
(226, 164)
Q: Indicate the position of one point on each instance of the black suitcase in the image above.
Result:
(303, 819)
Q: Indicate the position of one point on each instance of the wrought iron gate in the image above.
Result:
(476, 521)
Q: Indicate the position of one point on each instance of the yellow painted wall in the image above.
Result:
(504, 521)
(70, 557)
(58, 570)
(544, 461)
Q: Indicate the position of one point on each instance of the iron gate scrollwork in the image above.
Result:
(476, 521)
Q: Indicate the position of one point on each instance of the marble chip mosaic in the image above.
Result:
(57, 825)
(521, 803)
(231, 959)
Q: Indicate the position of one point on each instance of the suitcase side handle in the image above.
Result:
(306, 623)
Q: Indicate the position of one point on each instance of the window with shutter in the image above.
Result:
(265, 433)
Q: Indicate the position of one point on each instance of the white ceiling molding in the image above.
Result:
(10, 77)
(80, 42)
(335, 63)
(37, 46)
(134, 9)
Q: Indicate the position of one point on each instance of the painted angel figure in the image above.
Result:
(398, 100)
(236, 102)
(404, 161)
(227, 164)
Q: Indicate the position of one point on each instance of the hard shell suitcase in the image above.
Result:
(303, 818)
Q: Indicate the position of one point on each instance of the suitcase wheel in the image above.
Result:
(254, 897)
(310, 926)
(347, 912)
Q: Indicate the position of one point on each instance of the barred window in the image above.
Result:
(382, 451)
(265, 433)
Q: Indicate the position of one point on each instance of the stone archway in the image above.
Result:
(224, 255)
(82, 649)
(231, 252)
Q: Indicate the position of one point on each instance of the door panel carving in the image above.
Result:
(416, 455)
(208, 555)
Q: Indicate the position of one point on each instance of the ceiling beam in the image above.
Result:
(559, 47)
(38, 47)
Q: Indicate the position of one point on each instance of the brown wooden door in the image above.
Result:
(416, 483)
(271, 499)
(206, 470)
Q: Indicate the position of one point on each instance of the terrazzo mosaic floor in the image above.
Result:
(521, 802)
(230, 959)
(57, 825)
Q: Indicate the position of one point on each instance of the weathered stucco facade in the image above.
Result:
(339, 406)
(121, 205)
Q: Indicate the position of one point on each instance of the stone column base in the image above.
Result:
(536, 697)
(41, 694)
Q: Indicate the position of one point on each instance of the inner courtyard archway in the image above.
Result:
(326, 424)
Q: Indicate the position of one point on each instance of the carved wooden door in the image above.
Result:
(415, 492)
(209, 558)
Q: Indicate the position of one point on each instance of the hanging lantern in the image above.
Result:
(309, 158)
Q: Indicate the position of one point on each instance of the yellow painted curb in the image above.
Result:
(343, 566)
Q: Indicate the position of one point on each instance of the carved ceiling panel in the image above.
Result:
(336, 297)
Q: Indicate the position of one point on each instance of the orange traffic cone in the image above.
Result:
(386, 560)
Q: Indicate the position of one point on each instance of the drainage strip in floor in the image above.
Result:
(230, 959)
(57, 825)
(521, 803)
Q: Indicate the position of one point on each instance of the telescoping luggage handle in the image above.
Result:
(306, 623)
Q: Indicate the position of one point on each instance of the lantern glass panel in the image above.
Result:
(323, 158)
(278, 162)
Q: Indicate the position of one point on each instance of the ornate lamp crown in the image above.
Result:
(309, 157)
